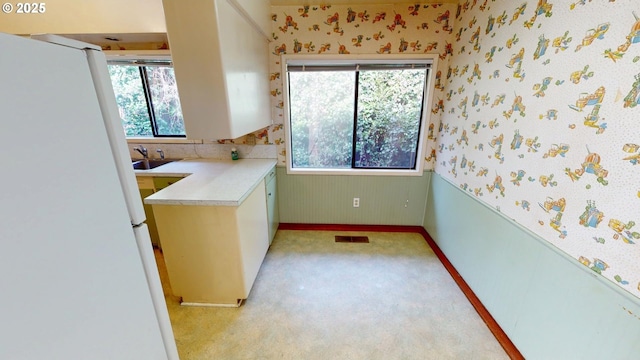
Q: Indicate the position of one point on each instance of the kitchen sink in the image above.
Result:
(148, 164)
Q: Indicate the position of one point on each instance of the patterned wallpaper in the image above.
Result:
(357, 29)
(541, 122)
(535, 111)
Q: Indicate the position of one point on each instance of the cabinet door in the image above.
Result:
(236, 58)
(162, 182)
(145, 182)
(258, 12)
(272, 205)
(151, 221)
(149, 185)
(245, 61)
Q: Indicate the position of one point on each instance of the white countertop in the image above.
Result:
(209, 182)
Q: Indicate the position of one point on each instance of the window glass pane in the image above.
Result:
(132, 103)
(322, 111)
(388, 123)
(164, 97)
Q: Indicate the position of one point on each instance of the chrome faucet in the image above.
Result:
(161, 153)
(142, 150)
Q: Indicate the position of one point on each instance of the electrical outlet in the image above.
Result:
(356, 202)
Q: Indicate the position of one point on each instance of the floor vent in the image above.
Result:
(352, 239)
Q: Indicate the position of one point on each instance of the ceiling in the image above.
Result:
(115, 39)
(120, 38)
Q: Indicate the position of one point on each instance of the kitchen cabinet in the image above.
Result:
(161, 182)
(148, 186)
(256, 10)
(220, 58)
(272, 204)
(213, 253)
(214, 228)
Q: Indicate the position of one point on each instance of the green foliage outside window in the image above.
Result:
(131, 100)
(386, 121)
(141, 114)
(322, 106)
(166, 104)
(388, 124)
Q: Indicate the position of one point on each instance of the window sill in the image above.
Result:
(162, 140)
(357, 172)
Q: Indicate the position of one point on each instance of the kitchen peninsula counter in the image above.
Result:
(214, 227)
(209, 182)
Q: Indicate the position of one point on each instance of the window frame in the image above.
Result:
(142, 63)
(361, 59)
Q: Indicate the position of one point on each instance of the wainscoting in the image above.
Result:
(549, 305)
(328, 199)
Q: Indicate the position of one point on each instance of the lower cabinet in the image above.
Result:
(273, 217)
(162, 182)
(213, 253)
(149, 185)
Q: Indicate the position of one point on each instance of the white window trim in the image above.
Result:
(162, 140)
(399, 58)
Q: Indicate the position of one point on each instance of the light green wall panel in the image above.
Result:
(328, 199)
(549, 305)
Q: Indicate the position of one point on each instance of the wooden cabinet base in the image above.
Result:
(213, 253)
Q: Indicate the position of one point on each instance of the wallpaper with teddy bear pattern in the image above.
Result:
(541, 122)
(358, 29)
(535, 110)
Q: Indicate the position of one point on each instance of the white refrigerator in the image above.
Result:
(78, 277)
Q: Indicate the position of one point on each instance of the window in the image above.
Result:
(147, 99)
(355, 115)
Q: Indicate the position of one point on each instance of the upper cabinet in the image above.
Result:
(258, 11)
(220, 57)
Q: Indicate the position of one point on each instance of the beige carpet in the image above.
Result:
(317, 299)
